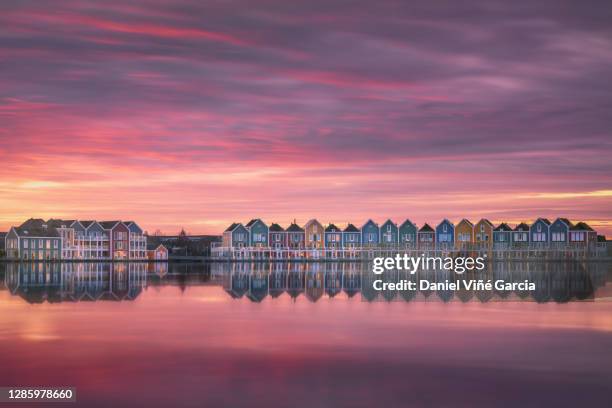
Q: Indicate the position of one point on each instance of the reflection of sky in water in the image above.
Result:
(183, 338)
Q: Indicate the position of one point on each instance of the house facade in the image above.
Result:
(157, 252)
(236, 236)
(295, 237)
(426, 237)
(389, 234)
(539, 233)
(370, 234)
(333, 237)
(314, 234)
(407, 234)
(34, 240)
(351, 237)
(464, 234)
(258, 233)
(445, 235)
(277, 237)
(582, 235)
(520, 236)
(560, 232)
(483, 234)
(502, 236)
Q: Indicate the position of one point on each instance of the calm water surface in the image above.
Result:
(302, 335)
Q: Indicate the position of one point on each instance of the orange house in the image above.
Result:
(464, 234)
(483, 234)
(314, 234)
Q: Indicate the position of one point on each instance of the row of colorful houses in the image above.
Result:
(446, 235)
(55, 239)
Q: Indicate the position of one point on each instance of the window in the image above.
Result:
(539, 237)
(371, 237)
(481, 227)
(25, 243)
(501, 237)
(41, 243)
(351, 237)
(445, 228)
(48, 244)
(55, 244)
(464, 237)
(407, 237)
(558, 237)
(388, 227)
(444, 237)
(539, 228)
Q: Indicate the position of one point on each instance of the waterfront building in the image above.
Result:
(445, 235)
(333, 237)
(351, 237)
(560, 232)
(137, 241)
(483, 234)
(295, 236)
(314, 234)
(407, 233)
(502, 236)
(370, 234)
(157, 252)
(389, 235)
(464, 234)
(426, 237)
(520, 236)
(277, 236)
(539, 233)
(33, 240)
(236, 236)
(119, 238)
(258, 233)
(582, 235)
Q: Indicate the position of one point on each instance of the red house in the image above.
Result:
(119, 239)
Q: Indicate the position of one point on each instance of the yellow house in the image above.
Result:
(464, 234)
(483, 234)
(314, 234)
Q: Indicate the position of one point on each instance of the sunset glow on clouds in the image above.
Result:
(197, 114)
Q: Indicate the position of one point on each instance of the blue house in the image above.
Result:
(445, 235)
(520, 236)
(236, 236)
(407, 233)
(370, 234)
(502, 236)
(333, 237)
(351, 237)
(539, 232)
(560, 232)
(389, 233)
(258, 233)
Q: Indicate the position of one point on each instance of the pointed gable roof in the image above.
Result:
(294, 228)
(232, 227)
(581, 226)
(369, 222)
(106, 224)
(565, 221)
(276, 228)
(407, 222)
(253, 221)
(426, 228)
(465, 221)
(332, 228)
(36, 227)
(503, 227)
(544, 220)
(351, 228)
(486, 221)
(523, 227)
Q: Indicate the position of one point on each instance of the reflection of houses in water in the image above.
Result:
(258, 283)
(278, 279)
(315, 282)
(72, 282)
(333, 279)
(296, 280)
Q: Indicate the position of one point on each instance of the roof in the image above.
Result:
(294, 228)
(332, 228)
(58, 223)
(253, 221)
(545, 220)
(351, 228)
(36, 227)
(232, 226)
(485, 221)
(104, 224)
(426, 228)
(465, 220)
(581, 226)
(152, 246)
(522, 227)
(276, 228)
(407, 222)
(565, 221)
(503, 227)
(389, 221)
(445, 221)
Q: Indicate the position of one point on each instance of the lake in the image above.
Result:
(305, 335)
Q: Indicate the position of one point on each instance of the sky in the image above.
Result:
(191, 114)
